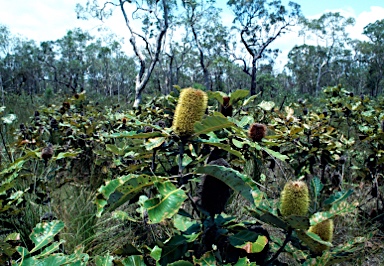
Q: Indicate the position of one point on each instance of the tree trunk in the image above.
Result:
(253, 76)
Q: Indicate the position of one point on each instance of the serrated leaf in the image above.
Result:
(225, 147)
(166, 204)
(211, 123)
(44, 233)
(62, 155)
(275, 154)
(339, 208)
(338, 196)
(234, 179)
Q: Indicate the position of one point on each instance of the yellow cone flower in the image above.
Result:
(325, 231)
(294, 199)
(190, 109)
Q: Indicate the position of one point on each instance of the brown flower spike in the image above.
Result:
(257, 132)
(47, 153)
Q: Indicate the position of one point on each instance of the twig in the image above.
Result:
(287, 239)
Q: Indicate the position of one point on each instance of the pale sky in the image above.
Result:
(43, 20)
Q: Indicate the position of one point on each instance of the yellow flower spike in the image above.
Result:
(324, 230)
(294, 199)
(190, 109)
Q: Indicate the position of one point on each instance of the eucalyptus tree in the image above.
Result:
(259, 23)
(332, 41)
(155, 18)
(208, 34)
(373, 55)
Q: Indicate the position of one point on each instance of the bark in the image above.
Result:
(145, 71)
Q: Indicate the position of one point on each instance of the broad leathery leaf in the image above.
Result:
(62, 155)
(156, 253)
(266, 105)
(129, 185)
(135, 135)
(320, 260)
(182, 223)
(218, 95)
(339, 208)
(153, 143)
(134, 260)
(122, 216)
(269, 218)
(255, 247)
(251, 99)
(181, 263)
(234, 179)
(238, 95)
(318, 239)
(50, 249)
(211, 123)
(104, 261)
(208, 259)
(244, 262)
(275, 154)
(114, 149)
(225, 147)
(245, 121)
(9, 118)
(337, 197)
(44, 233)
(316, 186)
(250, 241)
(298, 222)
(167, 203)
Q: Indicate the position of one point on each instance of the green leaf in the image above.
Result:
(128, 185)
(245, 121)
(156, 253)
(153, 143)
(238, 95)
(244, 262)
(134, 260)
(338, 196)
(211, 123)
(225, 147)
(234, 179)
(9, 118)
(122, 216)
(182, 223)
(266, 105)
(316, 186)
(114, 149)
(44, 233)
(62, 155)
(50, 249)
(250, 99)
(298, 222)
(104, 261)
(250, 241)
(340, 208)
(218, 95)
(275, 154)
(135, 135)
(181, 263)
(208, 259)
(166, 204)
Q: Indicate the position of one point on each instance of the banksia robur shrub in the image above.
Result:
(257, 132)
(214, 193)
(294, 199)
(325, 231)
(226, 109)
(190, 109)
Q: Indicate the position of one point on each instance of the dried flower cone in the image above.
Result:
(257, 132)
(226, 109)
(190, 109)
(324, 230)
(294, 199)
(47, 153)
